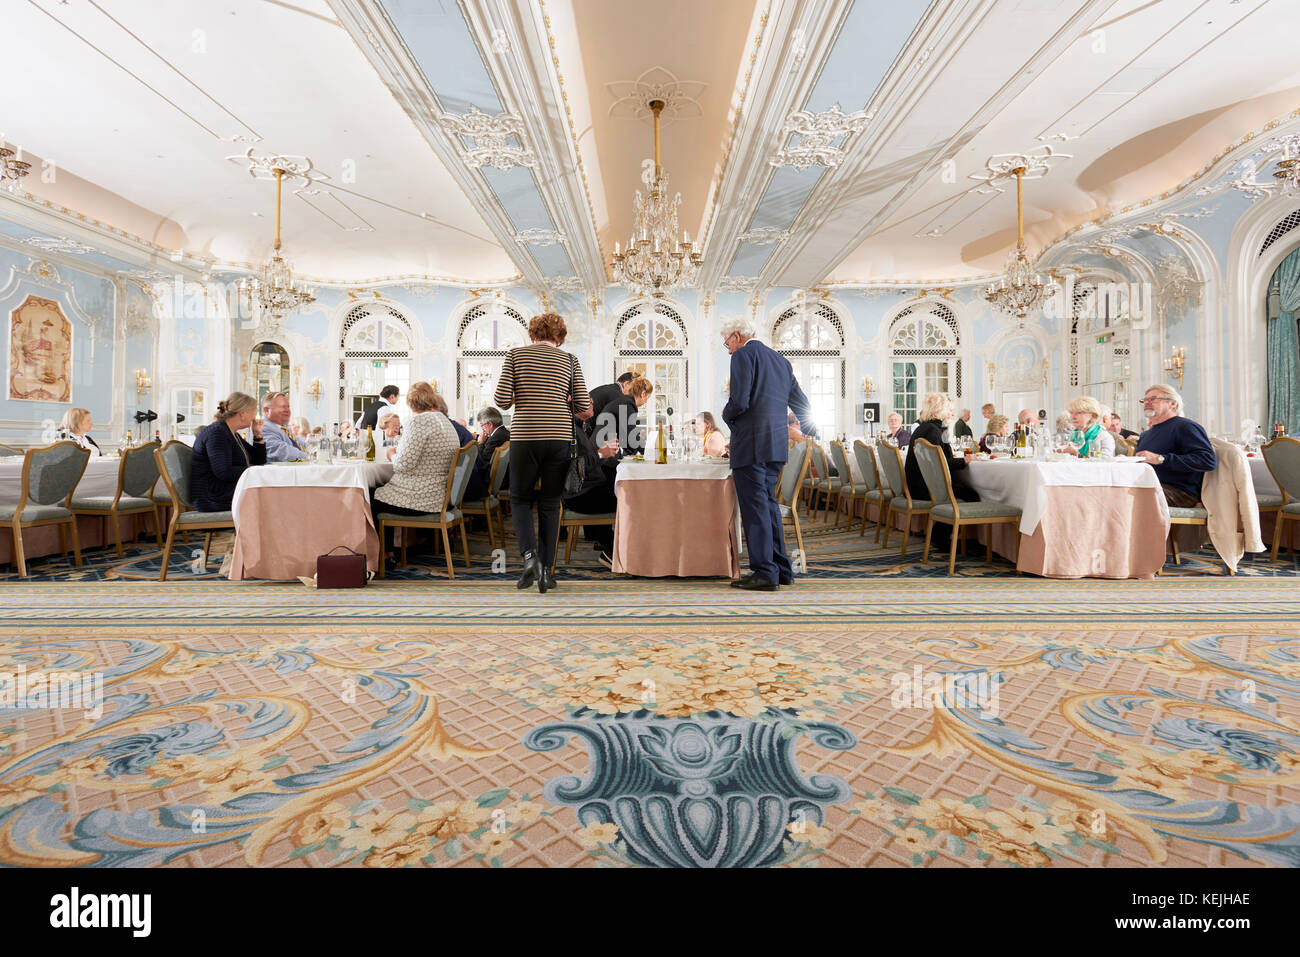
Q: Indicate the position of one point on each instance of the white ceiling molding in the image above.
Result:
(388, 54)
(736, 283)
(540, 237)
(816, 132)
(764, 236)
(680, 97)
(295, 167)
(59, 244)
(798, 33)
(529, 80)
(819, 239)
(1001, 167)
(491, 136)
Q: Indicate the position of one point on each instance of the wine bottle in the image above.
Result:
(128, 438)
(1022, 440)
(157, 435)
(370, 444)
(661, 447)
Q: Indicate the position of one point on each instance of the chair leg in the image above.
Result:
(907, 532)
(492, 535)
(76, 540)
(865, 505)
(929, 529)
(19, 559)
(1173, 539)
(383, 552)
(889, 510)
(207, 545)
(63, 539)
(406, 536)
(116, 520)
(952, 551)
(464, 542)
(157, 525)
(446, 547)
(989, 558)
(167, 552)
(1278, 527)
(798, 537)
(568, 549)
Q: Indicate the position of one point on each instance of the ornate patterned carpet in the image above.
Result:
(875, 714)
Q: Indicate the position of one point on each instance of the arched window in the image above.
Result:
(488, 331)
(1099, 343)
(812, 338)
(650, 338)
(923, 346)
(269, 365)
(376, 343)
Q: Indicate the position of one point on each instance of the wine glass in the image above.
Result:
(1075, 439)
(350, 447)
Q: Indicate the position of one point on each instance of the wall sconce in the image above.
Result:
(868, 387)
(992, 369)
(297, 378)
(314, 392)
(1044, 372)
(1174, 363)
(142, 384)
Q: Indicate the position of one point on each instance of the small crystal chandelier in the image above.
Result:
(12, 169)
(1021, 289)
(1287, 173)
(655, 260)
(274, 291)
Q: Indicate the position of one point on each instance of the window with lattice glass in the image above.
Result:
(905, 391)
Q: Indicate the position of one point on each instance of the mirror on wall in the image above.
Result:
(269, 367)
(192, 404)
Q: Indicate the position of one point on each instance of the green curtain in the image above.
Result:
(1283, 346)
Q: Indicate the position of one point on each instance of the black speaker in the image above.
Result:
(868, 412)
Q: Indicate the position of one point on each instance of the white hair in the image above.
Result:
(1166, 389)
(740, 324)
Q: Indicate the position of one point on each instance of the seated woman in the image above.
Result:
(299, 427)
(76, 424)
(712, 444)
(221, 455)
(620, 420)
(999, 425)
(936, 413)
(895, 431)
(1085, 415)
(597, 495)
(390, 429)
(423, 459)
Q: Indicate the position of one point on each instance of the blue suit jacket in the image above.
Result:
(763, 389)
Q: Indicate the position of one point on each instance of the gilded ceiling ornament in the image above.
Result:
(564, 283)
(540, 237)
(59, 244)
(816, 132)
(491, 135)
(737, 283)
(1002, 166)
(1178, 288)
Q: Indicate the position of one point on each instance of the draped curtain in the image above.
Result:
(1283, 346)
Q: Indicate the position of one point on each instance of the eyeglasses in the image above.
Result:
(1155, 398)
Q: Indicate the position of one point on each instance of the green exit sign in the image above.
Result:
(383, 363)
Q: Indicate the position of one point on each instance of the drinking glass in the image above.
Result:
(1075, 439)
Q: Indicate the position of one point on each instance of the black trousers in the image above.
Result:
(529, 461)
(597, 501)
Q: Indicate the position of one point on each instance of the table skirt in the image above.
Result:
(280, 534)
(661, 530)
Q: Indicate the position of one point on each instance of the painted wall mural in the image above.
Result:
(40, 352)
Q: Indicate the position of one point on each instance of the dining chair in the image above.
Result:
(950, 510)
(447, 517)
(136, 476)
(789, 485)
(891, 458)
(821, 483)
(574, 521)
(878, 490)
(1123, 446)
(1282, 456)
(6, 451)
(49, 479)
(174, 461)
(490, 504)
(853, 491)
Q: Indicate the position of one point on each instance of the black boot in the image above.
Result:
(547, 582)
(532, 571)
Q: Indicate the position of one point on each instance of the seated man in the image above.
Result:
(281, 446)
(961, 428)
(492, 435)
(1027, 419)
(1112, 424)
(1178, 448)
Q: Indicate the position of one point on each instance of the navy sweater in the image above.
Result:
(217, 465)
(1187, 451)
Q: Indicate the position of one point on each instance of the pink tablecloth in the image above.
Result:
(281, 531)
(676, 526)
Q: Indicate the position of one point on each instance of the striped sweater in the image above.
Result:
(535, 382)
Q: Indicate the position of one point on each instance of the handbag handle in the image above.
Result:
(573, 419)
(337, 547)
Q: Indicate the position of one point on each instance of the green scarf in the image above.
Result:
(1094, 430)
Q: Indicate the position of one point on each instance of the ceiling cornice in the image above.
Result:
(775, 89)
(945, 29)
(381, 44)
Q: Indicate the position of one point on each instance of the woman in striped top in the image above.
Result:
(544, 385)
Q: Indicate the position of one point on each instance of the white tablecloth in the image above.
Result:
(632, 471)
(1264, 484)
(1023, 483)
(100, 478)
(362, 475)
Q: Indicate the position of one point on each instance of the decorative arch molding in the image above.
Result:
(671, 313)
(948, 314)
(470, 312)
(463, 331)
(1247, 271)
(629, 309)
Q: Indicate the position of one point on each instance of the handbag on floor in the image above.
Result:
(340, 571)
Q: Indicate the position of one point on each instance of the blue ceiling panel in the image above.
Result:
(785, 195)
(438, 37)
(750, 259)
(516, 190)
(552, 260)
(867, 45)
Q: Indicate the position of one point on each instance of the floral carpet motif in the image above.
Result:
(815, 744)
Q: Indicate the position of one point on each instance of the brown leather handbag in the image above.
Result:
(340, 571)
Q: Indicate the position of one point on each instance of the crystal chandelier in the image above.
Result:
(655, 260)
(1287, 173)
(1021, 289)
(274, 291)
(12, 169)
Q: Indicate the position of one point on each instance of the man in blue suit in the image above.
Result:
(763, 387)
